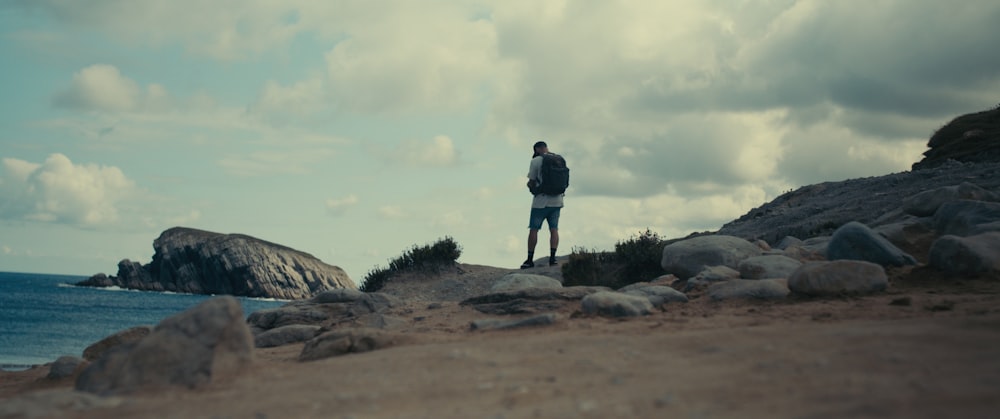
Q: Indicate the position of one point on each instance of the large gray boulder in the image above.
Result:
(686, 258)
(201, 262)
(855, 241)
(127, 336)
(207, 342)
(967, 218)
(966, 255)
(768, 266)
(519, 281)
(838, 277)
(284, 335)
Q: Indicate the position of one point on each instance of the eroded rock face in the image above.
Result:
(201, 262)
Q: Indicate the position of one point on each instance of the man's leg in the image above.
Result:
(553, 221)
(553, 245)
(532, 241)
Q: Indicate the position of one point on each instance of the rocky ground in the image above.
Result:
(924, 348)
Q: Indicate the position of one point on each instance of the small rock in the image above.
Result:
(767, 266)
(616, 304)
(498, 324)
(749, 289)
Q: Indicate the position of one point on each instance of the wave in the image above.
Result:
(116, 288)
(17, 367)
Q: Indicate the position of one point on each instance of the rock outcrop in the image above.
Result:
(973, 137)
(201, 262)
(820, 209)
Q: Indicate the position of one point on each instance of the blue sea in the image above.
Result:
(43, 317)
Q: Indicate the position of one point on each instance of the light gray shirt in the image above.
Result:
(541, 200)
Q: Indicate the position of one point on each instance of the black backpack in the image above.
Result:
(555, 175)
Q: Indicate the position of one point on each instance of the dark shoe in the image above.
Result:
(552, 262)
(528, 264)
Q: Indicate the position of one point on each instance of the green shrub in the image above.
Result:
(640, 257)
(635, 259)
(426, 258)
(587, 267)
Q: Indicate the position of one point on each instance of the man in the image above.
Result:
(543, 208)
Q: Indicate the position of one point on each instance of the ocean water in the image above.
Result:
(43, 317)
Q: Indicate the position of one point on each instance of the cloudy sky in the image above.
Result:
(353, 130)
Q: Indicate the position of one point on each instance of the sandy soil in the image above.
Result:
(927, 348)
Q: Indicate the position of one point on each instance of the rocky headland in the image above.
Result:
(201, 262)
(875, 297)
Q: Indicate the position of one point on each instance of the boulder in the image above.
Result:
(749, 289)
(926, 203)
(201, 262)
(288, 314)
(518, 281)
(788, 241)
(767, 266)
(658, 295)
(966, 255)
(966, 218)
(855, 241)
(333, 306)
(686, 258)
(709, 276)
(838, 277)
(65, 366)
(127, 336)
(341, 342)
(616, 304)
(285, 335)
(208, 342)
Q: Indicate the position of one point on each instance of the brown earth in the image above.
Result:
(928, 347)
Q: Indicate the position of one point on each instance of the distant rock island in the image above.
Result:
(194, 261)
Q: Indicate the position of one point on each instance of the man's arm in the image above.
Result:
(533, 171)
(535, 168)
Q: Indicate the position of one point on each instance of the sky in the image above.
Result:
(354, 130)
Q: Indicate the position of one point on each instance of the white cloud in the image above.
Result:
(59, 191)
(301, 99)
(392, 212)
(100, 87)
(413, 58)
(338, 207)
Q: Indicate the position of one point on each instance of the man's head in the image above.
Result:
(541, 147)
